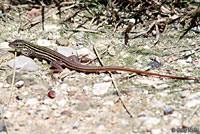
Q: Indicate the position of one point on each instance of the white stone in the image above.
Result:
(100, 89)
(24, 63)
(156, 131)
(25, 93)
(193, 100)
(66, 51)
(19, 84)
(85, 51)
(32, 101)
(61, 102)
(8, 114)
(64, 87)
(150, 122)
(175, 123)
(42, 42)
(4, 45)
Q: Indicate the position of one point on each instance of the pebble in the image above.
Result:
(101, 127)
(182, 62)
(42, 42)
(32, 101)
(185, 93)
(24, 63)
(51, 27)
(156, 131)
(25, 93)
(154, 64)
(61, 103)
(100, 89)
(149, 82)
(196, 29)
(51, 94)
(175, 123)
(7, 114)
(193, 100)
(83, 106)
(4, 45)
(161, 86)
(81, 43)
(85, 51)
(19, 84)
(37, 87)
(150, 122)
(168, 110)
(64, 87)
(75, 125)
(62, 42)
(86, 89)
(66, 51)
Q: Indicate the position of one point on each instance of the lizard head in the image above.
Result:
(21, 46)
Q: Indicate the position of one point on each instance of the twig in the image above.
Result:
(13, 79)
(82, 30)
(115, 85)
(193, 112)
(11, 94)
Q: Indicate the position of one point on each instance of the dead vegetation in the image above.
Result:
(152, 16)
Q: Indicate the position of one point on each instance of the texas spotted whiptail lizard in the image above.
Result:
(59, 61)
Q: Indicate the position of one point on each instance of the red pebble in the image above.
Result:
(51, 94)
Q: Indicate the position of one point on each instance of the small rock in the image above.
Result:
(175, 123)
(81, 43)
(4, 45)
(24, 63)
(32, 101)
(18, 77)
(85, 51)
(34, 12)
(168, 110)
(80, 35)
(37, 87)
(196, 29)
(51, 27)
(62, 42)
(193, 100)
(25, 93)
(150, 122)
(161, 86)
(101, 127)
(51, 94)
(149, 82)
(7, 114)
(156, 131)
(75, 125)
(66, 51)
(86, 89)
(42, 42)
(19, 84)
(83, 106)
(154, 64)
(185, 93)
(100, 89)
(64, 87)
(182, 62)
(61, 103)
(69, 114)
